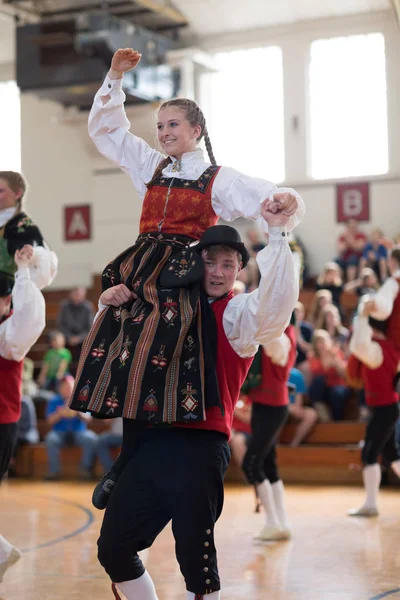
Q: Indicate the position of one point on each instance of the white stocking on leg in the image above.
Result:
(264, 491)
(396, 467)
(278, 492)
(138, 589)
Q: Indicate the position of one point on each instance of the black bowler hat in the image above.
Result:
(6, 284)
(223, 235)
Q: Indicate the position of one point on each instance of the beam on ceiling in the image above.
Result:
(163, 10)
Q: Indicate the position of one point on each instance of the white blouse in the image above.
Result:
(19, 332)
(233, 193)
(43, 267)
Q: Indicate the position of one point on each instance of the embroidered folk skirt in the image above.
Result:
(145, 360)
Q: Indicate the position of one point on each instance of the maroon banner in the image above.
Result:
(77, 223)
(352, 201)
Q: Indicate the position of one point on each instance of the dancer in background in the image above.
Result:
(22, 320)
(374, 360)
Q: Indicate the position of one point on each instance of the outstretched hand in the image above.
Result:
(117, 295)
(125, 59)
(278, 211)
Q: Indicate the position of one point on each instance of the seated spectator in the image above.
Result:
(306, 415)
(366, 283)
(331, 279)
(75, 320)
(241, 429)
(331, 322)
(375, 255)
(304, 332)
(68, 428)
(350, 248)
(107, 441)
(328, 387)
(56, 361)
(321, 299)
(29, 387)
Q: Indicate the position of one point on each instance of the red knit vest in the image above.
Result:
(10, 390)
(393, 330)
(273, 390)
(189, 209)
(231, 373)
(378, 383)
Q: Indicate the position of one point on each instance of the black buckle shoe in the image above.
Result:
(103, 489)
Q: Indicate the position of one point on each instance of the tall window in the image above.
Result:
(348, 107)
(243, 102)
(10, 127)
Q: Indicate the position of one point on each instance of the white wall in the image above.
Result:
(63, 167)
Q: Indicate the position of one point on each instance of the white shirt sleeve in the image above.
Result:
(278, 350)
(384, 299)
(109, 130)
(237, 195)
(259, 317)
(362, 346)
(43, 267)
(19, 332)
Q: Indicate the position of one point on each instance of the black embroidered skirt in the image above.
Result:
(145, 360)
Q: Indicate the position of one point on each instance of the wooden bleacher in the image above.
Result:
(324, 457)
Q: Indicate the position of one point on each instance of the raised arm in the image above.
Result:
(259, 317)
(109, 126)
(237, 195)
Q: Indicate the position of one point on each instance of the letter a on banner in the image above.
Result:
(77, 223)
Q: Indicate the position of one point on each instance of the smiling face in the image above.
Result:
(222, 265)
(175, 134)
(8, 198)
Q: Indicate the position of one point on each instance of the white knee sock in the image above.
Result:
(138, 589)
(278, 491)
(264, 491)
(8, 556)
(213, 596)
(396, 467)
(372, 479)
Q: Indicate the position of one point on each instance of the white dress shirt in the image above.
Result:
(263, 315)
(43, 267)
(20, 331)
(233, 193)
(362, 345)
(278, 350)
(385, 297)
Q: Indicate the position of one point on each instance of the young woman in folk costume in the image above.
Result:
(146, 360)
(18, 230)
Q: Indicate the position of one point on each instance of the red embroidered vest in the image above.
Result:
(183, 209)
(231, 373)
(10, 390)
(273, 390)
(378, 383)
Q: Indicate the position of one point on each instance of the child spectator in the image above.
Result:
(367, 283)
(321, 299)
(331, 322)
(68, 428)
(375, 255)
(331, 279)
(328, 387)
(350, 248)
(109, 440)
(55, 362)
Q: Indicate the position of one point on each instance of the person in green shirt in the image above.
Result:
(55, 362)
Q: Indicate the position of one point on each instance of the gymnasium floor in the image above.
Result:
(331, 556)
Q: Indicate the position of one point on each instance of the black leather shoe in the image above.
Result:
(103, 489)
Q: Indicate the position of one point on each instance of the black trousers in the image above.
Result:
(380, 436)
(259, 462)
(175, 474)
(8, 437)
